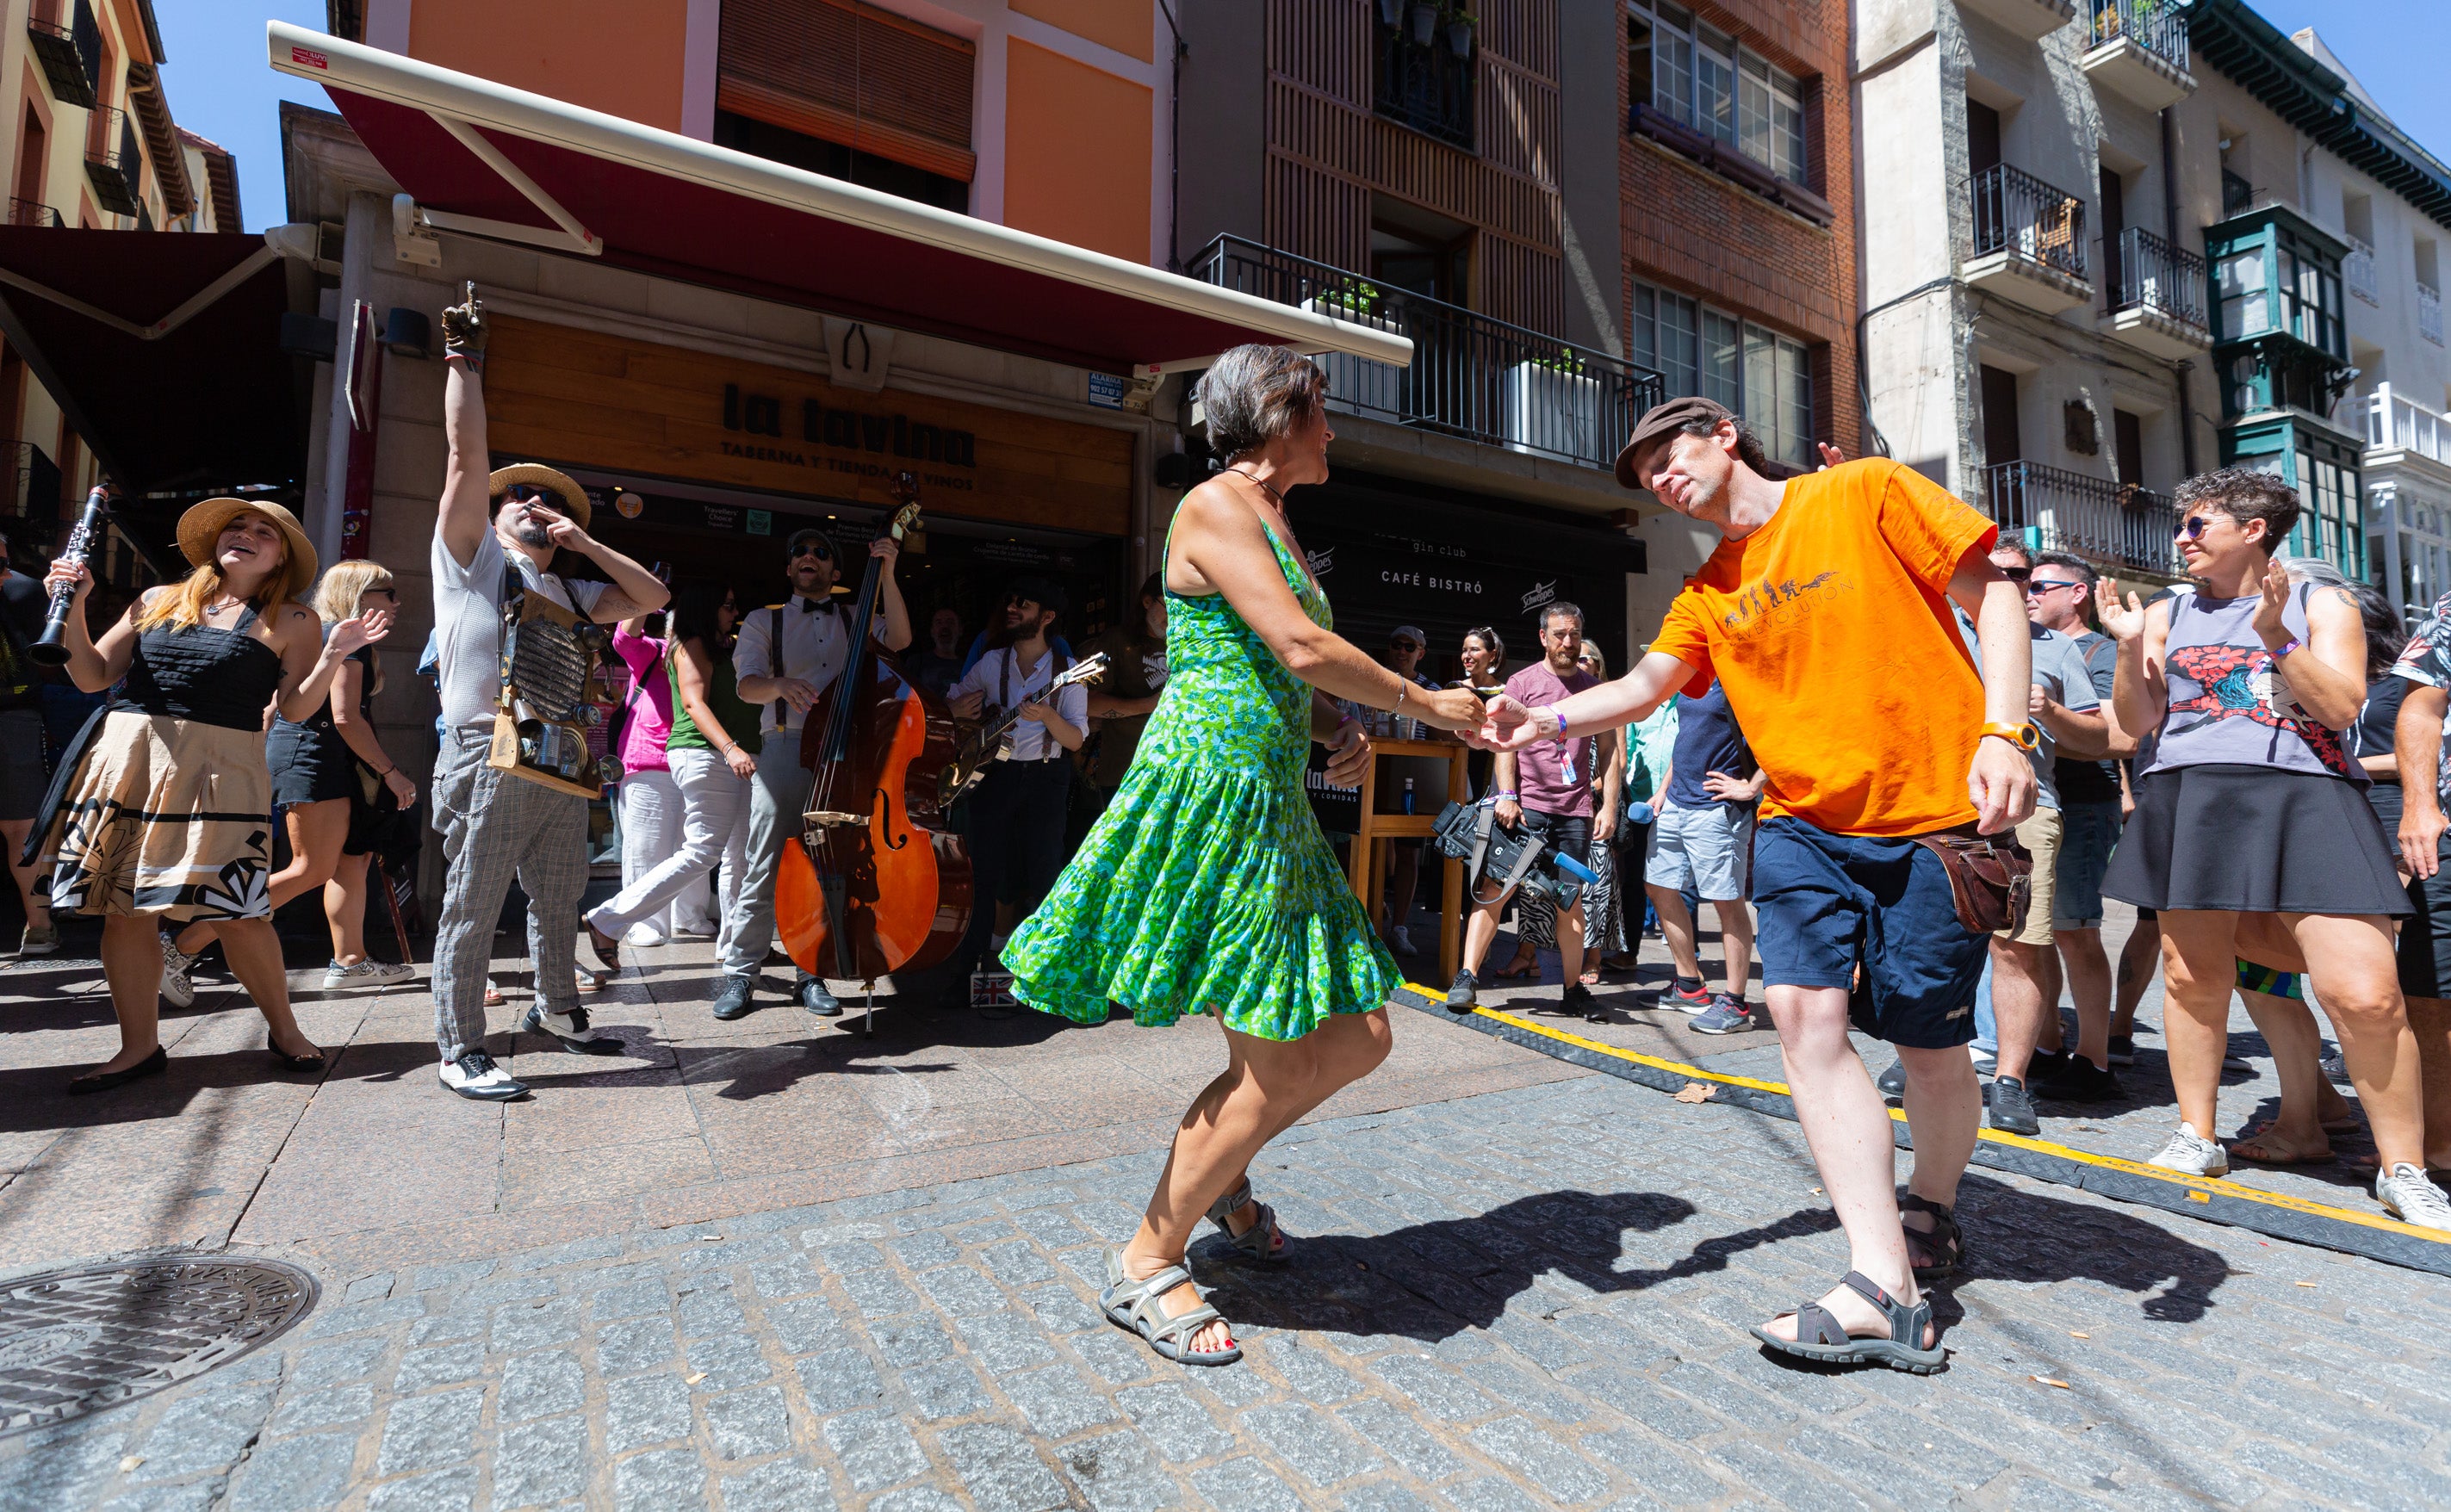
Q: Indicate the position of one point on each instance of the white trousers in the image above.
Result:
(708, 828)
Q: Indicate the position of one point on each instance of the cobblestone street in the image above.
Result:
(1522, 1298)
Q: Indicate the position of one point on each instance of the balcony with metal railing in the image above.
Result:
(2139, 51)
(2119, 526)
(2029, 241)
(33, 212)
(2358, 271)
(113, 161)
(2155, 296)
(2394, 423)
(69, 58)
(1424, 71)
(2429, 313)
(1472, 377)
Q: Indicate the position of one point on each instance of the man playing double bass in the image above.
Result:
(786, 656)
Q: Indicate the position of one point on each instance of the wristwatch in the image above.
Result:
(2023, 735)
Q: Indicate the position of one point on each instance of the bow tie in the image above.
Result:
(810, 606)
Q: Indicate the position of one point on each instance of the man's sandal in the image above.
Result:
(1263, 1240)
(1819, 1335)
(1134, 1304)
(1944, 1239)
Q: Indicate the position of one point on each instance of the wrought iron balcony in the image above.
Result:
(2139, 51)
(2116, 525)
(1423, 80)
(69, 62)
(33, 212)
(2358, 272)
(2394, 423)
(1471, 377)
(2155, 296)
(2160, 27)
(113, 162)
(2029, 241)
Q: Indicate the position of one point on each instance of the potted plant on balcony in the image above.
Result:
(1425, 25)
(1391, 13)
(1357, 383)
(1456, 25)
(1550, 404)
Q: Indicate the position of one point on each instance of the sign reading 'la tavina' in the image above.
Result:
(896, 433)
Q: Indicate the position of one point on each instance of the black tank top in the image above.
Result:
(211, 676)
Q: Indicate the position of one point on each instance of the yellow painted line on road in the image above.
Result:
(2200, 1188)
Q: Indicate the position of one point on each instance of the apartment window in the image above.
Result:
(867, 170)
(1758, 373)
(1698, 76)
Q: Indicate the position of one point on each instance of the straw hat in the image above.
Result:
(536, 475)
(204, 523)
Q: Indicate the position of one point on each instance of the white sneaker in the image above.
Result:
(386, 972)
(475, 1076)
(2192, 1154)
(178, 989)
(2409, 1194)
(1401, 942)
(357, 973)
(572, 1030)
(645, 935)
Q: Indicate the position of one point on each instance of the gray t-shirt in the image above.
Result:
(468, 624)
(2060, 672)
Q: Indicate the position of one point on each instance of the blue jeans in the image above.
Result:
(1986, 1029)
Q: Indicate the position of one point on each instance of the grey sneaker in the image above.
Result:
(2409, 1194)
(357, 973)
(39, 942)
(177, 989)
(2013, 1107)
(1893, 1082)
(1727, 1015)
(2191, 1154)
(1463, 994)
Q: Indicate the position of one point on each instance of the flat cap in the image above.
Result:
(1664, 419)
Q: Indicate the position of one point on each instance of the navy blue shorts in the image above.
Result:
(1829, 902)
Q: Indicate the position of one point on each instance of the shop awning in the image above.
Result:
(485, 159)
(162, 349)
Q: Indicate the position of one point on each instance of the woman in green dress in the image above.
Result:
(1207, 886)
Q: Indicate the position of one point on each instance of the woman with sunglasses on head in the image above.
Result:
(159, 807)
(712, 754)
(2249, 803)
(314, 775)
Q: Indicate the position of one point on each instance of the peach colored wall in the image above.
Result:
(1125, 26)
(1076, 153)
(567, 49)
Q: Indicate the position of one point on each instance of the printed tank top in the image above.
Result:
(2229, 704)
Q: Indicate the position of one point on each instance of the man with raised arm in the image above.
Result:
(1824, 614)
(496, 539)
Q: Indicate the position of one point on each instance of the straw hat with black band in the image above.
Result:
(560, 488)
(203, 522)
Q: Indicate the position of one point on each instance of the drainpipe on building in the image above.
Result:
(1174, 146)
(2170, 230)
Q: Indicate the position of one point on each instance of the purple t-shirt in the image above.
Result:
(1553, 777)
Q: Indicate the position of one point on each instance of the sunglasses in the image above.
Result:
(2043, 585)
(2192, 527)
(1404, 645)
(2016, 573)
(813, 548)
(392, 594)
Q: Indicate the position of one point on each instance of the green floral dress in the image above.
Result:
(1207, 886)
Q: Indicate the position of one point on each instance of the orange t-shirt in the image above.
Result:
(1830, 628)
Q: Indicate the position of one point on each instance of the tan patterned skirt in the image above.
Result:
(165, 816)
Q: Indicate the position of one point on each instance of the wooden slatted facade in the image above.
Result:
(1328, 153)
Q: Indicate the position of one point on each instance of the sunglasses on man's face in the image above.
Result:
(1404, 645)
(2016, 573)
(2037, 586)
(812, 548)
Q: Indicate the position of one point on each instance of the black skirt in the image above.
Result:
(310, 763)
(2255, 839)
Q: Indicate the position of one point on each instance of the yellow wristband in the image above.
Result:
(2023, 736)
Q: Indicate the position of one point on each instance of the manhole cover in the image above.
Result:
(73, 1342)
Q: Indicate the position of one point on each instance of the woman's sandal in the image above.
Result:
(1819, 1335)
(1262, 1240)
(295, 1063)
(1517, 968)
(1943, 1238)
(1135, 1304)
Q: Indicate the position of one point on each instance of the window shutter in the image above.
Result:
(853, 75)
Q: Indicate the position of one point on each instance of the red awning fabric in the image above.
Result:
(482, 158)
(161, 347)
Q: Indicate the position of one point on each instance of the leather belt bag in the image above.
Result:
(1990, 878)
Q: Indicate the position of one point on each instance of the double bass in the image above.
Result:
(877, 881)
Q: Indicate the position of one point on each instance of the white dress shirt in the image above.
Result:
(999, 676)
(814, 650)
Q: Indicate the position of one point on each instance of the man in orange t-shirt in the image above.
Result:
(1824, 613)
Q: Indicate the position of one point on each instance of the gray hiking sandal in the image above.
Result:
(1135, 1304)
(1819, 1335)
(1944, 1242)
(1263, 1240)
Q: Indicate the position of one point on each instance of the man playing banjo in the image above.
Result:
(495, 820)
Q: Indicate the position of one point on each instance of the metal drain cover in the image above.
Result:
(73, 1342)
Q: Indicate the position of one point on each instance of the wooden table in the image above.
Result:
(1385, 775)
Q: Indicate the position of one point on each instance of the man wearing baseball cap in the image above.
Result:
(1824, 615)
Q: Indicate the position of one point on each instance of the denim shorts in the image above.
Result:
(2087, 832)
(1829, 903)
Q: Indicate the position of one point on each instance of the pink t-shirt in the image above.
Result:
(1553, 777)
(651, 702)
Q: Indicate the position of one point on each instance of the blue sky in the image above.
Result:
(220, 87)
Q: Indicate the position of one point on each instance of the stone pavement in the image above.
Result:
(1521, 1299)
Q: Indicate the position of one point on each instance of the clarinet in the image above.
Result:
(50, 651)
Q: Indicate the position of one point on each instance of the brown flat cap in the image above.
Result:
(1664, 419)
